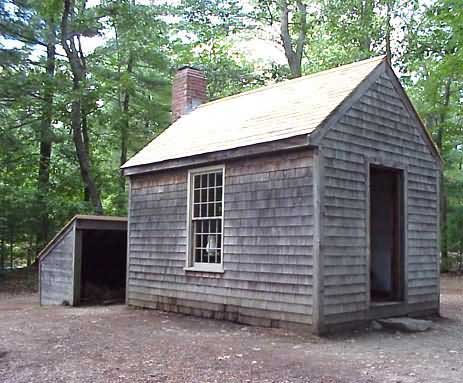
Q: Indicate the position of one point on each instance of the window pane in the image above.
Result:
(211, 211)
(205, 226)
(211, 194)
(219, 209)
(213, 226)
(203, 240)
(197, 181)
(218, 179)
(196, 196)
(203, 210)
(211, 179)
(218, 194)
(198, 226)
(198, 255)
(196, 210)
(203, 195)
(204, 180)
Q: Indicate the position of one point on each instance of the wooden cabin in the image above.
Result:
(312, 202)
(85, 262)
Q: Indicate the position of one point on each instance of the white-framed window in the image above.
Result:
(205, 219)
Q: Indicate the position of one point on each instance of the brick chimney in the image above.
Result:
(188, 91)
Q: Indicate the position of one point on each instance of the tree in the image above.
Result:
(73, 17)
(133, 71)
(293, 20)
(33, 24)
(211, 27)
(436, 60)
(293, 51)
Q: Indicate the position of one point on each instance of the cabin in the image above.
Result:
(85, 263)
(313, 202)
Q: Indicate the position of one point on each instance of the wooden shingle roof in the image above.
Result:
(271, 113)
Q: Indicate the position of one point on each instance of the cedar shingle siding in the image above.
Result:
(267, 243)
(57, 272)
(377, 128)
(296, 205)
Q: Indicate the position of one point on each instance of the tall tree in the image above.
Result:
(71, 42)
(33, 24)
(292, 17)
(211, 27)
(293, 50)
(133, 73)
(46, 134)
(436, 61)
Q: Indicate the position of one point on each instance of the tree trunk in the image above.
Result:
(293, 54)
(12, 235)
(82, 155)
(86, 140)
(367, 10)
(388, 33)
(125, 126)
(46, 140)
(2, 253)
(443, 187)
(78, 69)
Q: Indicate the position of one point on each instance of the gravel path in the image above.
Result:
(117, 344)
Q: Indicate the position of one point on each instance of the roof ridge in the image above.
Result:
(294, 80)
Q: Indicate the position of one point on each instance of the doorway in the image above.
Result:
(386, 234)
(103, 266)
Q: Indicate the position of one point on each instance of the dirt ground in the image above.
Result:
(118, 344)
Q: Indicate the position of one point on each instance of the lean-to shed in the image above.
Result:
(85, 262)
(314, 201)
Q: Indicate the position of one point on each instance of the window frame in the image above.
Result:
(190, 264)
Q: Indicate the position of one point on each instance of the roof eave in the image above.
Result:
(78, 217)
(287, 144)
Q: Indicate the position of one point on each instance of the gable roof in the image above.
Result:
(288, 109)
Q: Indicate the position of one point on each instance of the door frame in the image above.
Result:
(403, 208)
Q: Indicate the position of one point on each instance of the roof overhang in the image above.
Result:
(306, 140)
(288, 144)
(85, 222)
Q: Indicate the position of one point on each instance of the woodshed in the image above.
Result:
(312, 202)
(85, 262)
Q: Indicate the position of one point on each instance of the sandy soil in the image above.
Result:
(118, 344)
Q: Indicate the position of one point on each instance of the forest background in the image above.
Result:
(86, 84)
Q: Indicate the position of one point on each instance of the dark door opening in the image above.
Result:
(103, 266)
(386, 234)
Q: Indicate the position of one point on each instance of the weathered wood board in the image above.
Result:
(268, 230)
(377, 129)
(57, 271)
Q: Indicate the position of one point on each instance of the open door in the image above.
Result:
(386, 235)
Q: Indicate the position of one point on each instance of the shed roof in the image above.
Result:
(271, 113)
(78, 217)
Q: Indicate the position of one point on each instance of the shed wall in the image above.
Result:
(377, 128)
(56, 271)
(268, 204)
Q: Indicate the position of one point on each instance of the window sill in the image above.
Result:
(217, 269)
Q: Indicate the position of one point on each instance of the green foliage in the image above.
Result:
(435, 60)
(131, 50)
